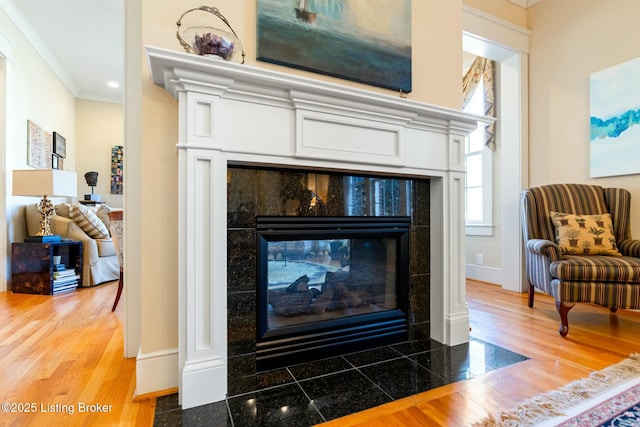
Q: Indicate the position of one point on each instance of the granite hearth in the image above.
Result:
(308, 394)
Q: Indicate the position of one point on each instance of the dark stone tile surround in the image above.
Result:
(255, 192)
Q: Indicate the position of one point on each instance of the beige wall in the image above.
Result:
(437, 59)
(33, 93)
(570, 40)
(503, 9)
(99, 126)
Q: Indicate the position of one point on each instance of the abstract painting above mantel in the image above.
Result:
(367, 41)
(615, 120)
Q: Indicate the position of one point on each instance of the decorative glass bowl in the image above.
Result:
(209, 41)
(212, 42)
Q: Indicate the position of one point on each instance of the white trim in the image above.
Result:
(203, 382)
(479, 229)
(524, 3)
(514, 166)
(6, 46)
(495, 20)
(487, 184)
(484, 273)
(132, 193)
(156, 371)
(6, 51)
(38, 44)
(491, 37)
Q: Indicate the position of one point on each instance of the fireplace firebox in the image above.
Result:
(329, 285)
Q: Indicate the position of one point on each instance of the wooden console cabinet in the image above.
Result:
(32, 266)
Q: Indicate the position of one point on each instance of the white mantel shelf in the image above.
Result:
(238, 114)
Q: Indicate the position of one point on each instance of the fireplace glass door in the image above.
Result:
(320, 276)
(313, 280)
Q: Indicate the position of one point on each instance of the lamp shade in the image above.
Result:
(41, 182)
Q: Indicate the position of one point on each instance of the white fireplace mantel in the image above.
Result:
(238, 114)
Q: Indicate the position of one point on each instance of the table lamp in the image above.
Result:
(44, 182)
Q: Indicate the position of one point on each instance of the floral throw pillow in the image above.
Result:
(585, 234)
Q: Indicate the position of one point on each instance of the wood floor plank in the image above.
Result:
(64, 354)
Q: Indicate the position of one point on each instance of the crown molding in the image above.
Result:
(25, 27)
(524, 3)
(495, 20)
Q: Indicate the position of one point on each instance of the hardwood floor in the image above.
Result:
(67, 350)
(596, 340)
(61, 354)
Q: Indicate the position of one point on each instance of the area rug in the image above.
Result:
(610, 397)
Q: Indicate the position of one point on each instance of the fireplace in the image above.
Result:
(310, 222)
(327, 286)
(240, 115)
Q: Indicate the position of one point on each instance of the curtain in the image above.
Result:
(482, 68)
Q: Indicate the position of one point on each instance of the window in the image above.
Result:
(478, 200)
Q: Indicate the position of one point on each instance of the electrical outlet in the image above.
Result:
(480, 259)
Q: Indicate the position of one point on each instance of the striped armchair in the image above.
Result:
(609, 281)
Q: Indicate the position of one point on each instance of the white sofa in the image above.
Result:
(99, 259)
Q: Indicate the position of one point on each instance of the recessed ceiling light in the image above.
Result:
(113, 85)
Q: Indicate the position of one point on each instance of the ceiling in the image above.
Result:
(83, 41)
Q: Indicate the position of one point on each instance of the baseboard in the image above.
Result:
(156, 371)
(203, 382)
(155, 394)
(484, 274)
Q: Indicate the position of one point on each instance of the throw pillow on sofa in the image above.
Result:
(103, 213)
(88, 221)
(63, 209)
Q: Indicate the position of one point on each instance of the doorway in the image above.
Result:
(485, 37)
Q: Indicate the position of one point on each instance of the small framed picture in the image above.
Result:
(55, 161)
(59, 145)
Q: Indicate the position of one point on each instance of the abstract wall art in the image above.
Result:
(117, 167)
(38, 146)
(59, 145)
(615, 120)
(367, 41)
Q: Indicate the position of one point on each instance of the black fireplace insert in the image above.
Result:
(329, 285)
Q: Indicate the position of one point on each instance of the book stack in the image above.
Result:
(43, 239)
(64, 279)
